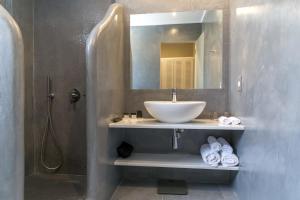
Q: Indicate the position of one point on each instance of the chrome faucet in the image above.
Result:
(174, 98)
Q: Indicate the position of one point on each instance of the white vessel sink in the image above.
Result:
(178, 112)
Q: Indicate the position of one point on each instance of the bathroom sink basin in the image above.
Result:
(178, 112)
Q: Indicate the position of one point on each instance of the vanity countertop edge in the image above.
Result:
(149, 123)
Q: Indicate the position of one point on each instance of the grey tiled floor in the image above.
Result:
(147, 191)
(54, 187)
(66, 187)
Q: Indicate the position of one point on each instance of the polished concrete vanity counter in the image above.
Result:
(185, 161)
(204, 124)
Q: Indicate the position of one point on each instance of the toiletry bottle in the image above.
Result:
(133, 117)
(126, 117)
(139, 114)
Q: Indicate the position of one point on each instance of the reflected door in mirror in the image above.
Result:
(177, 73)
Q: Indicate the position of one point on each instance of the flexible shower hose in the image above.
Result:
(49, 130)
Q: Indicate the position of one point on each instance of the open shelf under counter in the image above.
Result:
(184, 161)
(204, 124)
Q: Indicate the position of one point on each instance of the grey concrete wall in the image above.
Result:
(11, 108)
(265, 50)
(61, 30)
(217, 99)
(145, 50)
(6, 4)
(105, 100)
(22, 11)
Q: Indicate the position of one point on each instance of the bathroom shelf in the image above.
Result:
(204, 124)
(185, 161)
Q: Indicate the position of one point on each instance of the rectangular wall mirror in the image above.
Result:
(180, 50)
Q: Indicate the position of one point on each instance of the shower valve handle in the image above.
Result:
(74, 96)
(51, 96)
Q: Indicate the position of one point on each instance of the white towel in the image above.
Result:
(229, 160)
(229, 120)
(234, 120)
(224, 120)
(225, 146)
(214, 144)
(210, 157)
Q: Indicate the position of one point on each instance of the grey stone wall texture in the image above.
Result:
(265, 51)
(105, 91)
(11, 108)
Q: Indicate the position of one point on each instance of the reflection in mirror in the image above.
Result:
(177, 50)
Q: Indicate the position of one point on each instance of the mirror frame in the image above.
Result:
(225, 55)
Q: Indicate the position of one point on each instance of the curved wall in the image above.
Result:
(11, 108)
(104, 54)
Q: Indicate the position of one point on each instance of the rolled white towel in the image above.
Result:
(214, 144)
(226, 148)
(210, 157)
(224, 120)
(229, 160)
(234, 120)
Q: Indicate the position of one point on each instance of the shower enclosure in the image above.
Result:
(43, 101)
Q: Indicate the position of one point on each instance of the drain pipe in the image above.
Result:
(176, 136)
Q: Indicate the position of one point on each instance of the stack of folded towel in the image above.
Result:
(229, 120)
(218, 151)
